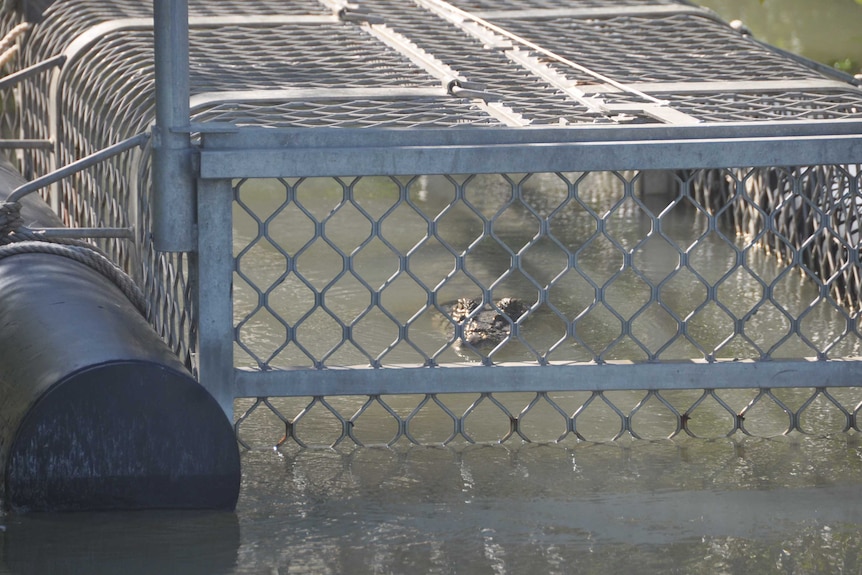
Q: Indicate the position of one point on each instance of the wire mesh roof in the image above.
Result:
(430, 63)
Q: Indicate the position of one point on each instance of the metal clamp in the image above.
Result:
(359, 14)
(465, 89)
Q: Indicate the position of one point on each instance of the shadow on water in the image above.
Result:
(742, 505)
(149, 542)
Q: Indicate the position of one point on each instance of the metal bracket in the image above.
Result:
(75, 167)
(465, 89)
(12, 79)
(356, 13)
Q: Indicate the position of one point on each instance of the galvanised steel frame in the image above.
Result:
(252, 153)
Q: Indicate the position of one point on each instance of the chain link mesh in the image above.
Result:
(627, 295)
(603, 269)
(566, 418)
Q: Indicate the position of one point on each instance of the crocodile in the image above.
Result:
(489, 326)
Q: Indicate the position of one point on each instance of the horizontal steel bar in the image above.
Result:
(93, 34)
(207, 99)
(261, 20)
(597, 12)
(619, 376)
(83, 233)
(12, 79)
(274, 138)
(536, 157)
(26, 145)
(723, 86)
(75, 167)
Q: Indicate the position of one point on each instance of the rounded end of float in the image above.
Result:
(123, 435)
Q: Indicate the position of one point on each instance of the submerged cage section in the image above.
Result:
(672, 206)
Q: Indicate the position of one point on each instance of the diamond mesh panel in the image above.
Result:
(352, 113)
(773, 106)
(522, 91)
(642, 288)
(603, 272)
(566, 418)
(805, 215)
(679, 47)
(315, 55)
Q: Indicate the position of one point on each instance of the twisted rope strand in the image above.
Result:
(16, 239)
(8, 47)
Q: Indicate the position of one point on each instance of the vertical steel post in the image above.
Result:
(173, 182)
(215, 267)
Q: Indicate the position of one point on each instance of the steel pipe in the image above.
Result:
(174, 199)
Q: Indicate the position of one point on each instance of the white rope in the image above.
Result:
(9, 46)
(12, 35)
(8, 56)
(15, 240)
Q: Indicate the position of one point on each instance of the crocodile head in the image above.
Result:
(489, 326)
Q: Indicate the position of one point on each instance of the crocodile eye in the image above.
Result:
(512, 307)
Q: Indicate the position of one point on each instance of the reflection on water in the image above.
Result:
(737, 507)
(787, 505)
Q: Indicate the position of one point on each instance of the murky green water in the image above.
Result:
(828, 31)
(727, 505)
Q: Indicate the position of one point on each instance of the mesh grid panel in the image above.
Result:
(566, 418)
(672, 48)
(603, 270)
